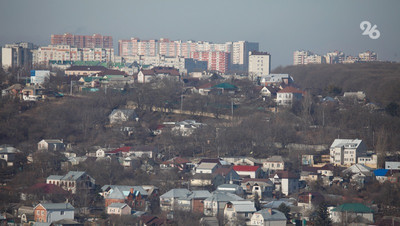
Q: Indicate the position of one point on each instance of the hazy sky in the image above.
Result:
(280, 26)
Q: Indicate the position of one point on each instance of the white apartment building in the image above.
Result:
(16, 55)
(299, 56)
(259, 64)
(61, 53)
(314, 59)
(368, 56)
(344, 152)
(335, 57)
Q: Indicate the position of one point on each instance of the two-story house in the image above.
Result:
(50, 212)
(73, 181)
(51, 145)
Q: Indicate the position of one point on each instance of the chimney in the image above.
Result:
(309, 198)
(270, 211)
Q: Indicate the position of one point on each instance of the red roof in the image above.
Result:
(290, 89)
(118, 150)
(246, 168)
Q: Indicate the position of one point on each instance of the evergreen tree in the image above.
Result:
(322, 216)
(285, 210)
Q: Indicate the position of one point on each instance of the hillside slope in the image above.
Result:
(380, 81)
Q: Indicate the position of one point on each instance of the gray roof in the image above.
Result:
(116, 194)
(53, 141)
(199, 194)
(74, 175)
(244, 206)
(117, 205)
(125, 189)
(275, 215)
(8, 149)
(357, 168)
(348, 143)
(127, 112)
(219, 196)
(57, 206)
(275, 204)
(234, 186)
(176, 193)
(54, 177)
(207, 165)
(275, 158)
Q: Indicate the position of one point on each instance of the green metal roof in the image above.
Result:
(353, 207)
(225, 86)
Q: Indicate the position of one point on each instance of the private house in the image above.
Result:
(215, 204)
(231, 188)
(135, 196)
(370, 160)
(119, 209)
(177, 162)
(139, 151)
(206, 179)
(206, 167)
(392, 165)
(243, 161)
(184, 128)
(51, 145)
(8, 153)
(12, 91)
(51, 212)
(145, 76)
(194, 202)
(119, 116)
(228, 173)
(348, 212)
(84, 70)
(382, 175)
(274, 163)
(249, 171)
(308, 200)
(204, 89)
(261, 187)
(224, 88)
(344, 152)
(32, 93)
(238, 211)
(269, 91)
(286, 182)
(73, 181)
(287, 95)
(359, 174)
(276, 80)
(268, 217)
(169, 200)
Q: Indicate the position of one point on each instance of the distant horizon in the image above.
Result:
(279, 27)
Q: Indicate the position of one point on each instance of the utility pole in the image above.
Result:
(181, 103)
(70, 93)
(232, 107)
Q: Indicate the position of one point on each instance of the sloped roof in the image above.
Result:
(275, 215)
(73, 175)
(275, 158)
(176, 193)
(116, 194)
(246, 168)
(244, 206)
(346, 143)
(287, 174)
(161, 70)
(176, 160)
(207, 165)
(353, 208)
(357, 168)
(290, 89)
(200, 194)
(381, 172)
(219, 196)
(57, 206)
(264, 180)
(117, 205)
(226, 86)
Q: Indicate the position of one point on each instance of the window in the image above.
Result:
(62, 213)
(42, 212)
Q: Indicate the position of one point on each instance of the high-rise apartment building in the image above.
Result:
(216, 60)
(259, 64)
(61, 53)
(335, 57)
(367, 56)
(83, 41)
(299, 56)
(238, 51)
(17, 55)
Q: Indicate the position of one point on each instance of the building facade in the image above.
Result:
(259, 64)
(17, 55)
(83, 41)
(344, 152)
